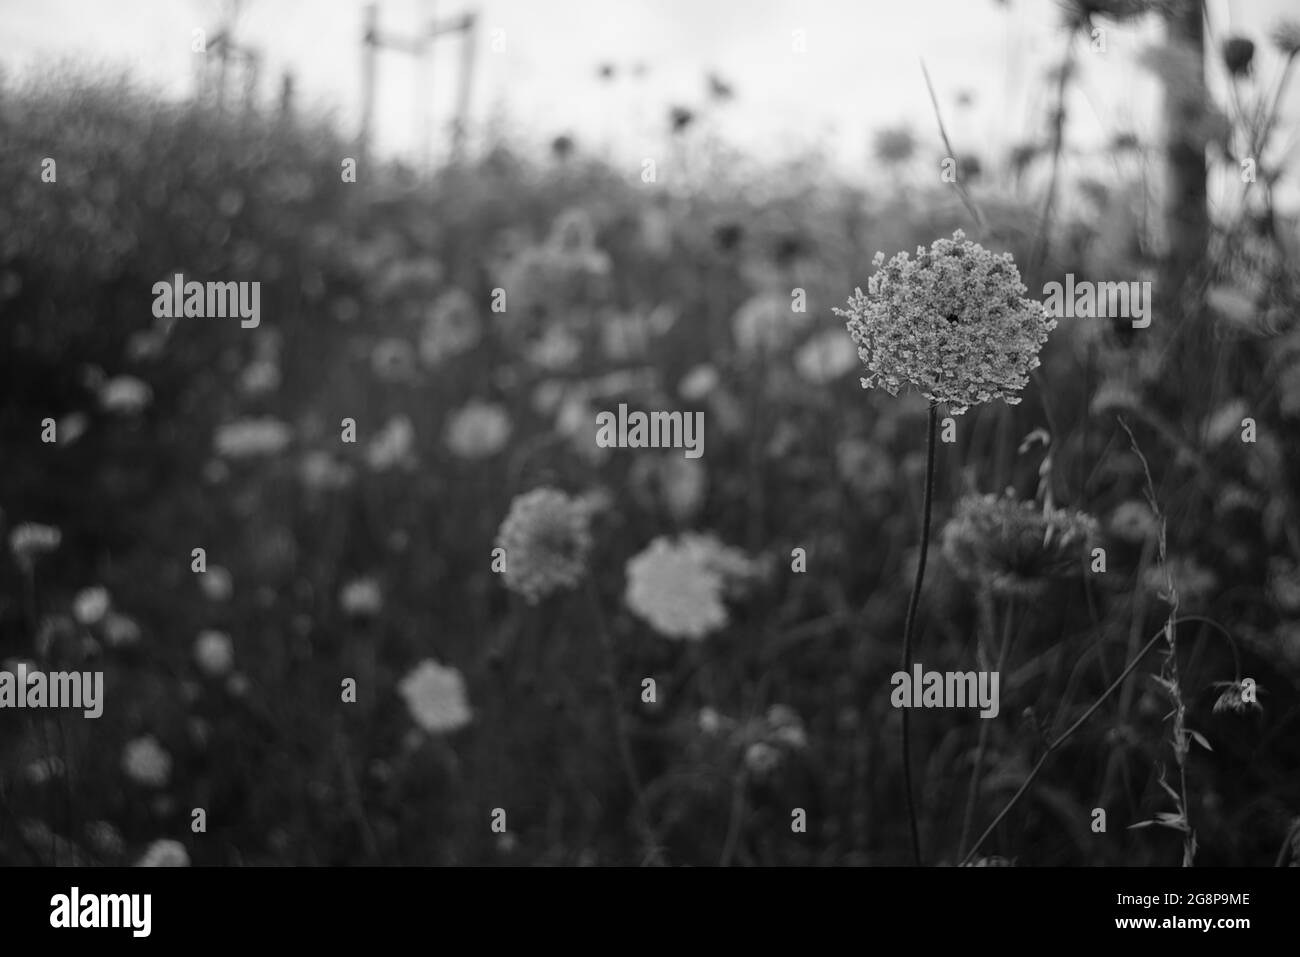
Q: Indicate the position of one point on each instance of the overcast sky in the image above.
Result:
(860, 70)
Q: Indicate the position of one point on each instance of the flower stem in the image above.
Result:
(982, 745)
(653, 845)
(911, 623)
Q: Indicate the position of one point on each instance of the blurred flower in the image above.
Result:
(761, 758)
(678, 483)
(72, 427)
(698, 383)
(216, 584)
(91, 605)
(677, 586)
(1232, 699)
(165, 853)
(451, 328)
(555, 350)
(1013, 547)
(952, 322)
(765, 322)
(44, 769)
(478, 430)
(1194, 581)
(825, 357)
(562, 147)
(261, 376)
(1232, 304)
(393, 360)
(124, 394)
(680, 118)
(120, 631)
(1284, 585)
(785, 727)
(146, 762)
(709, 721)
(320, 471)
(245, 438)
(361, 597)
(435, 697)
(1238, 55)
(105, 839)
(719, 89)
(1225, 421)
(404, 277)
(893, 146)
(864, 466)
(392, 446)
(546, 536)
(30, 540)
(969, 167)
(1286, 37)
(214, 652)
(1133, 522)
(237, 685)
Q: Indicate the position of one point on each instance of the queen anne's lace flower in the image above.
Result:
(953, 322)
(546, 536)
(678, 586)
(1013, 546)
(436, 697)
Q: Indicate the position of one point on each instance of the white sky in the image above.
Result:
(861, 69)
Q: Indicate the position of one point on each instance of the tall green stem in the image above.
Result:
(911, 623)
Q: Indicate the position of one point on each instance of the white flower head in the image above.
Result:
(214, 652)
(361, 597)
(546, 537)
(165, 853)
(678, 586)
(478, 430)
(91, 605)
(146, 762)
(953, 322)
(436, 697)
(246, 438)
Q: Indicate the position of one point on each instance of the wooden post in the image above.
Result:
(469, 45)
(369, 47)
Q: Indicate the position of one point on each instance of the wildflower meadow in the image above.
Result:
(538, 506)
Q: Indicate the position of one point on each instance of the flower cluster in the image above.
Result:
(678, 586)
(546, 536)
(1013, 547)
(953, 322)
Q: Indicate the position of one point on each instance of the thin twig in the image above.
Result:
(962, 191)
(1061, 740)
